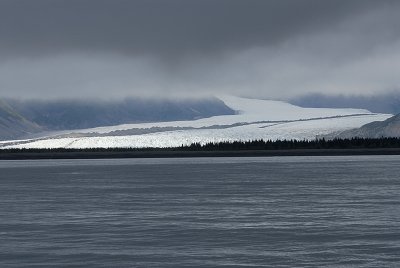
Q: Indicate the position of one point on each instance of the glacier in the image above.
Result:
(254, 119)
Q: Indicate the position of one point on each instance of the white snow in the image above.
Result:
(255, 119)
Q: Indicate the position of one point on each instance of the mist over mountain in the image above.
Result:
(379, 103)
(20, 118)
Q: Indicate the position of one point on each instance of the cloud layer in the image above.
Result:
(104, 48)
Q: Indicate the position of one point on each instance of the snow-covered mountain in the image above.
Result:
(254, 119)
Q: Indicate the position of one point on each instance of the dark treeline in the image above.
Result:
(354, 143)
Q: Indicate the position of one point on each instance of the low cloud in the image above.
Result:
(349, 53)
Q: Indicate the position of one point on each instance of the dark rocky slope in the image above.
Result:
(14, 125)
(21, 118)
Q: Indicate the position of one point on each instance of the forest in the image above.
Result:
(254, 145)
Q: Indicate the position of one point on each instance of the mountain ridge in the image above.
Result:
(19, 119)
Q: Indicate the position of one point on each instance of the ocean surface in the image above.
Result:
(201, 212)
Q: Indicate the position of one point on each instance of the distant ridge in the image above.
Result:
(388, 103)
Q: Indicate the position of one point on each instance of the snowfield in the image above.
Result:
(255, 119)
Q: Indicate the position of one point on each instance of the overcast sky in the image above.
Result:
(259, 48)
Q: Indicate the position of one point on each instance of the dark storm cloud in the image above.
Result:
(161, 27)
(267, 48)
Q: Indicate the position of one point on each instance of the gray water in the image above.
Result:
(208, 212)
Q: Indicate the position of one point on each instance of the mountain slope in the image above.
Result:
(254, 119)
(378, 129)
(13, 125)
(78, 114)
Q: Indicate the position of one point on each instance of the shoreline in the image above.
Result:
(26, 155)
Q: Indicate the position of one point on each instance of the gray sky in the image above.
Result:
(261, 48)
